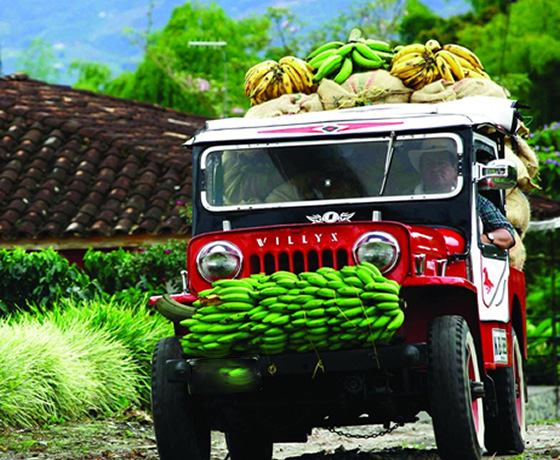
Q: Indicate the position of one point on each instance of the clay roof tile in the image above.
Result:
(88, 164)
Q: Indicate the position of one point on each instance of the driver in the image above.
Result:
(437, 164)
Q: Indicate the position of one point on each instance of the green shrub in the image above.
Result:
(153, 269)
(546, 143)
(40, 277)
(542, 367)
(43, 277)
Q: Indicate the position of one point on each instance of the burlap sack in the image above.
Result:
(437, 91)
(287, 104)
(518, 210)
(377, 87)
(333, 96)
(479, 87)
(518, 254)
(524, 180)
(528, 156)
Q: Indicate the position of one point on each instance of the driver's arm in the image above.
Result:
(502, 238)
(496, 227)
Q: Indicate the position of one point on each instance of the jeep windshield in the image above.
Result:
(306, 173)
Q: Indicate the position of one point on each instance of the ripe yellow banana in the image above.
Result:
(452, 63)
(443, 69)
(432, 74)
(465, 53)
(261, 86)
(414, 48)
(256, 73)
(432, 46)
(304, 70)
(406, 57)
(298, 86)
(286, 84)
(474, 74)
(408, 68)
(259, 69)
(417, 80)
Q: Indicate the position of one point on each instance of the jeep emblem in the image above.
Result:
(330, 217)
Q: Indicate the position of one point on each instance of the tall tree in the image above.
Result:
(285, 34)
(39, 61)
(192, 78)
(419, 24)
(377, 19)
(521, 51)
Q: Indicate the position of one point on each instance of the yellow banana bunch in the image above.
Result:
(299, 73)
(414, 64)
(466, 59)
(420, 64)
(270, 79)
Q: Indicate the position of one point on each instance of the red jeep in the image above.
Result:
(337, 189)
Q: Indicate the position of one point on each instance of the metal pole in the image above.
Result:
(225, 84)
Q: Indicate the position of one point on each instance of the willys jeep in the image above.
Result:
(329, 190)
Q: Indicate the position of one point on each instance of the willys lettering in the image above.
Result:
(299, 239)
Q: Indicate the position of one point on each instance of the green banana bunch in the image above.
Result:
(283, 312)
(338, 60)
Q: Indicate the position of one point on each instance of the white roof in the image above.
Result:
(375, 118)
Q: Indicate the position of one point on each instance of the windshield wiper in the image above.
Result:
(388, 161)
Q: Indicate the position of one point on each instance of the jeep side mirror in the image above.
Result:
(496, 175)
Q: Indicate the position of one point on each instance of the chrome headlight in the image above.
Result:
(379, 248)
(219, 259)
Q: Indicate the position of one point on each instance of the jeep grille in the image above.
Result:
(297, 261)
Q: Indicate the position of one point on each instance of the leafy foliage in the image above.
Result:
(546, 143)
(191, 78)
(42, 276)
(521, 49)
(542, 367)
(38, 61)
(91, 76)
(153, 269)
(420, 24)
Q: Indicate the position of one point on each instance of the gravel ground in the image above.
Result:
(133, 439)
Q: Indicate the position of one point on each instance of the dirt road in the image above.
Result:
(133, 439)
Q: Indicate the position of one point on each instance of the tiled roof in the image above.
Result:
(543, 207)
(79, 164)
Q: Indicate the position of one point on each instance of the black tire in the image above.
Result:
(506, 431)
(458, 420)
(181, 432)
(243, 446)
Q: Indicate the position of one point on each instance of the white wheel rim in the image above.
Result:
(473, 374)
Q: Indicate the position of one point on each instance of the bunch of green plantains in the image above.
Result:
(323, 310)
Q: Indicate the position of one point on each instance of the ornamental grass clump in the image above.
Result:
(132, 325)
(48, 372)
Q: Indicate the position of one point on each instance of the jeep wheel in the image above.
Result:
(453, 375)
(243, 445)
(181, 432)
(505, 432)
